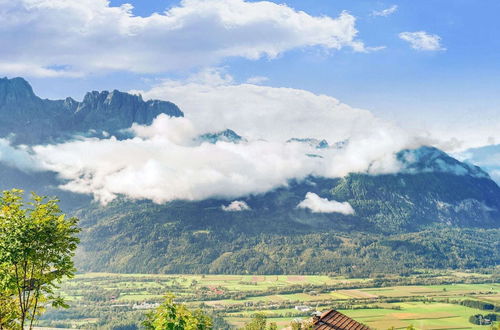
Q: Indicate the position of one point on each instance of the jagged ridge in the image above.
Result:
(36, 120)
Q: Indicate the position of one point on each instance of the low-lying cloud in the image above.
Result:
(236, 206)
(317, 204)
(155, 166)
(167, 160)
(17, 157)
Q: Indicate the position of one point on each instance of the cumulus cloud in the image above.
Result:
(73, 38)
(421, 40)
(385, 12)
(214, 102)
(322, 205)
(236, 206)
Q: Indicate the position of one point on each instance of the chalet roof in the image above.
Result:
(334, 320)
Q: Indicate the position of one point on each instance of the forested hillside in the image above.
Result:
(398, 226)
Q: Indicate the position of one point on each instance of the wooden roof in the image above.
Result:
(334, 320)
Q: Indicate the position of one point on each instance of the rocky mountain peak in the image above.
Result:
(15, 91)
(227, 135)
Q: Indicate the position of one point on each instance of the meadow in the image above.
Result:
(426, 300)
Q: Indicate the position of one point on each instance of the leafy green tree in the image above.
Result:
(272, 326)
(304, 325)
(259, 322)
(8, 309)
(495, 326)
(37, 244)
(173, 316)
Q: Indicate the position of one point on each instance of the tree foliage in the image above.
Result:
(37, 243)
(302, 325)
(172, 316)
(259, 322)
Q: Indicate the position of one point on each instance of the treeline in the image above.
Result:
(181, 251)
(480, 305)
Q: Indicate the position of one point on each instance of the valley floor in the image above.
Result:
(430, 300)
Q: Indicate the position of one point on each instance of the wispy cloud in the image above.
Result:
(256, 80)
(385, 12)
(423, 41)
(18, 157)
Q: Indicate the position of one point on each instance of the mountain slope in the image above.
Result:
(398, 225)
(436, 212)
(33, 120)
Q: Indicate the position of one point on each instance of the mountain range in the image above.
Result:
(436, 212)
(32, 120)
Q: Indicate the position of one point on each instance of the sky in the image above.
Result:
(384, 74)
(438, 87)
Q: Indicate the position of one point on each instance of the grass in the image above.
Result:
(239, 296)
(418, 314)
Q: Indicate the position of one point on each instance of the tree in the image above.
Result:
(8, 310)
(302, 325)
(173, 316)
(37, 244)
(272, 326)
(259, 322)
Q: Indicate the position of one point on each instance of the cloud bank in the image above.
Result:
(423, 41)
(53, 38)
(167, 160)
(214, 102)
(322, 205)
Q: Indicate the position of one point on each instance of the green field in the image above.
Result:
(420, 315)
(427, 301)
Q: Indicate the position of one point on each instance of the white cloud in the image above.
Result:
(61, 37)
(257, 80)
(164, 165)
(322, 205)
(421, 40)
(236, 206)
(263, 112)
(385, 12)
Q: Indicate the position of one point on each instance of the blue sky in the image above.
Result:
(456, 87)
